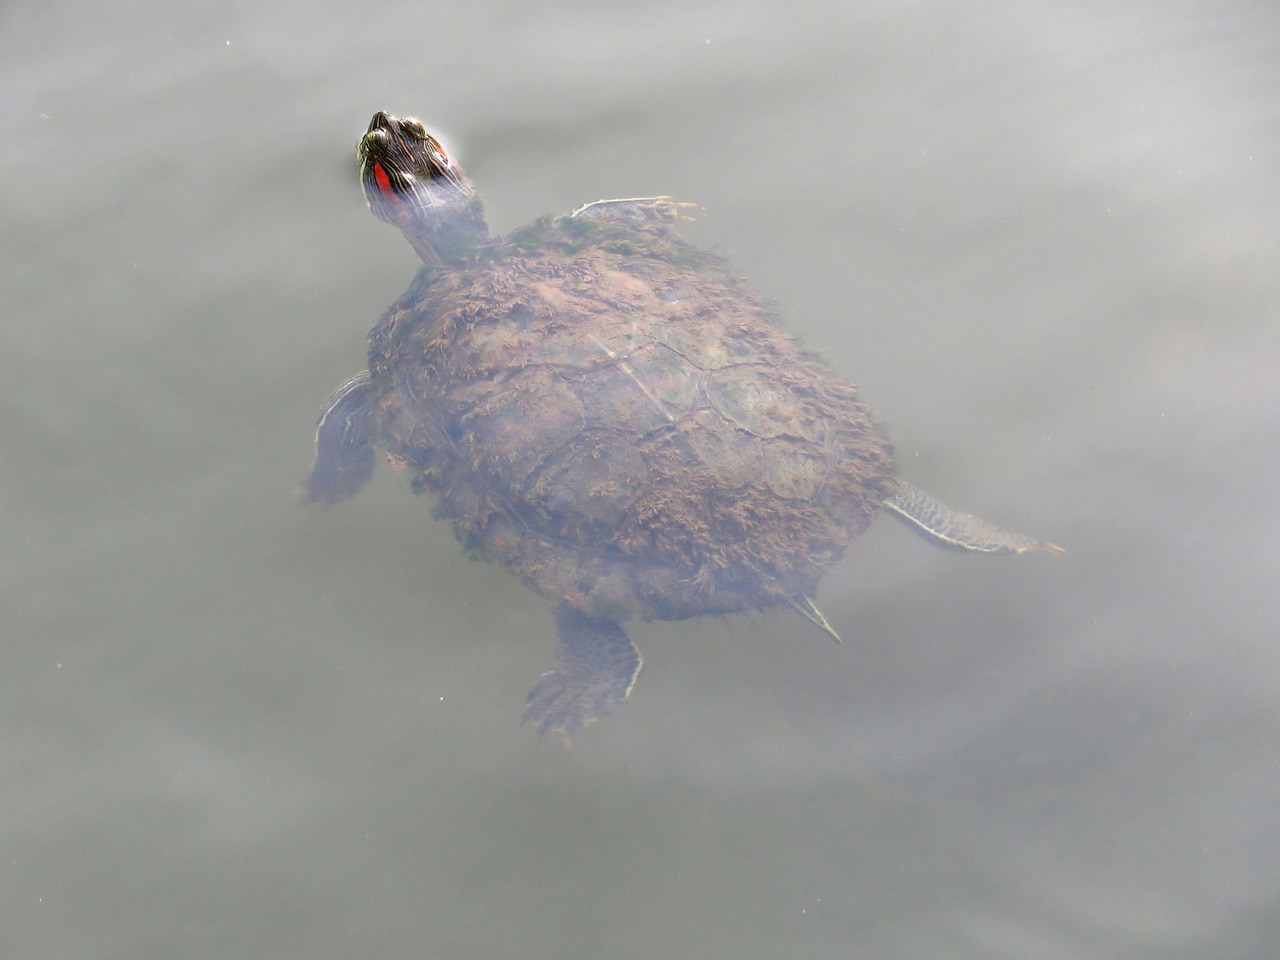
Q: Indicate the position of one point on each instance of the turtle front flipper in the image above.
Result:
(635, 210)
(964, 531)
(598, 665)
(345, 435)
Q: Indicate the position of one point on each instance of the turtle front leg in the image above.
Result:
(344, 443)
(598, 666)
(635, 210)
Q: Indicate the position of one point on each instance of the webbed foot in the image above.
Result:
(598, 665)
(964, 531)
(344, 443)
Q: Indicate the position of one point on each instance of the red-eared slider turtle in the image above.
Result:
(607, 412)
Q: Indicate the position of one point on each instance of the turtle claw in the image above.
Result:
(598, 667)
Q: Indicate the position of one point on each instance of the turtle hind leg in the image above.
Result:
(344, 444)
(962, 531)
(597, 666)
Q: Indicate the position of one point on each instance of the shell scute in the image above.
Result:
(505, 448)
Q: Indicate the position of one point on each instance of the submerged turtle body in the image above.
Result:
(609, 413)
(604, 411)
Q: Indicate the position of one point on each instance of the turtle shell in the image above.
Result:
(606, 411)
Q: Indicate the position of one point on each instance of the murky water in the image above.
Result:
(1041, 236)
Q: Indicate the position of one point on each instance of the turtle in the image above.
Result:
(612, 415)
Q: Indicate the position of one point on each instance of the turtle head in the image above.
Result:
(409, 181)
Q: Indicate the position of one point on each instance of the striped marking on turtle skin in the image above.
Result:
(963, 531)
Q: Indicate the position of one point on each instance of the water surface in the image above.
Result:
(1042, 237)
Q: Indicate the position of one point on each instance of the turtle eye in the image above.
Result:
(414, 127)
